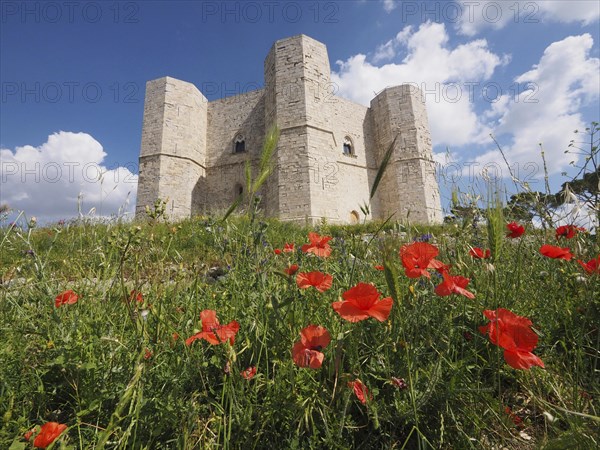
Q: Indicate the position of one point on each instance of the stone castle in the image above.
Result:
(193, 151)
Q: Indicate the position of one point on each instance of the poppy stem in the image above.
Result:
(353, 261)
(411, 385)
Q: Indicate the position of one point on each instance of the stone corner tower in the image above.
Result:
(296, 74)
(408, 189)
(173, 152)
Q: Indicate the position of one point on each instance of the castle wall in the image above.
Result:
(173, 152)
(149, 170)
(339, 183)
(286, 79)
(188, 154)
(408, 189)
(227, 118)
(314, 179)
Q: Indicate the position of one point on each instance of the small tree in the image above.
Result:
(527, 205)
(585, 185)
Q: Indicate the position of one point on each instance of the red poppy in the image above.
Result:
(175, 336)
(277, 251)
(137, 296)
(418, 257)
(288, 248)
(318, 245)
(556, 252)
(319, 280)
(515, 419)
(379, 267)
(361, 302)
(307, 351)
(592, 266)
(453, 285)
(66, 298)
(291, 270)
(478, 253)
(360, 390)
(27, 436)
(212, 331)
(147, 354)
(249, 373)
(49, 432)
(439, 266)
(514, 335)
(568, 231)
(514, 230)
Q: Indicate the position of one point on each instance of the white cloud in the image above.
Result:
(444, 158)
(385, 52)
(476, 16)
(46, 181)
(432, 65)
(567, 11)
(546, 111)
(389, 5)
(565, 78)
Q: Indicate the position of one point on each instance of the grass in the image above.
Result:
(115, 373)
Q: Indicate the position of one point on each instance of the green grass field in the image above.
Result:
(117, 370)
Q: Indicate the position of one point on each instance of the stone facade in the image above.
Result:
(327, 156)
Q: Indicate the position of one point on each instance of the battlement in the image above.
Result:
(193, 151)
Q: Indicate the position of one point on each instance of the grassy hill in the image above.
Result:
(114, 365)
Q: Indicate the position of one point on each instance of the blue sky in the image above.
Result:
(73, 78)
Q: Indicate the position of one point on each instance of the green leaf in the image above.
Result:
(382, 167)
(248, 175)
(391, 279)
(233, 207)
(17, 444)
(269, 148)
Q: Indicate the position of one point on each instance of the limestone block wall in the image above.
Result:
(383, 134)
(232, 115)
(188, 154)
(339, 182)
(289, 187)
(174, 174)
(316, 82)
(356, 172)
(271, 189)
(323, 177)
(149, 167)
(287, 73)
(408, 188)
(173, 152)
(148, 182)
(227, 118)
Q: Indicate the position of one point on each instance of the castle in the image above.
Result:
(193, 151)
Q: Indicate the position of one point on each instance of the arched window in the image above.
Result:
(348, 147)
(354, 217)
(239, 143)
